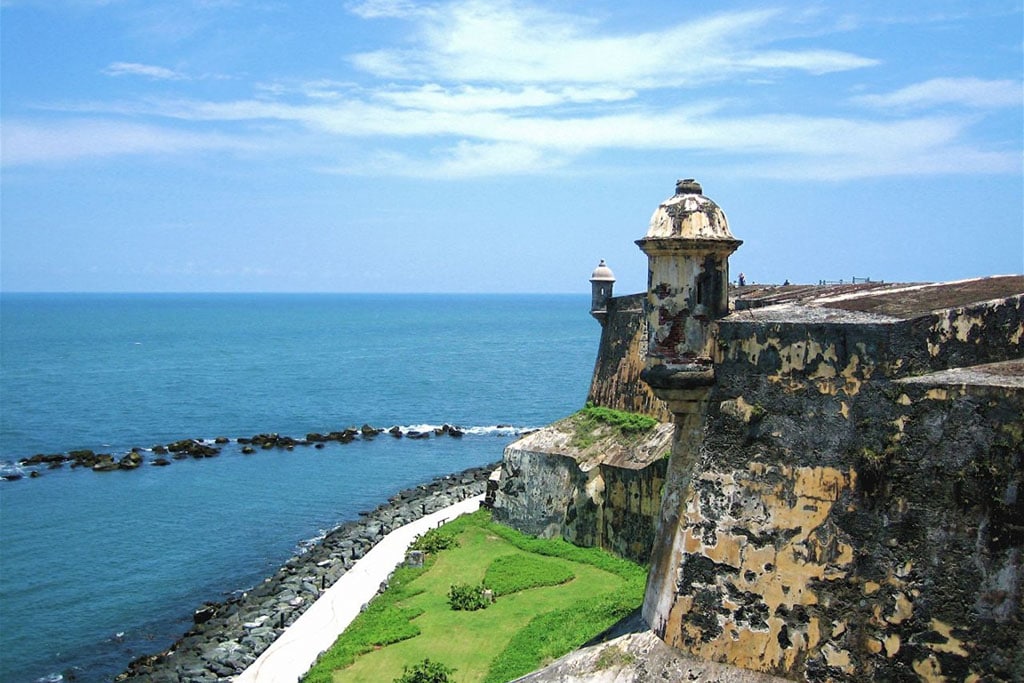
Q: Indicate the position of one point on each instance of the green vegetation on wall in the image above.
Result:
(589, 421)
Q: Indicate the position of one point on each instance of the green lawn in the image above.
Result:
(553, 597)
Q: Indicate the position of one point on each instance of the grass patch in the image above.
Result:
(513, 573)
(588, 421)
(554, 597)
(383, 622)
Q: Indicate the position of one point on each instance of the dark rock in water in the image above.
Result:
(319, 444)
(105, 463)
(396, 432)
(161, 462)
(346, 436)
(159, 450)
(368, 431)
(418, 435)
(221, 439)
(40, 459)
(204, 613)
(11, 473)
(130, 461)
(82, 454)
(193, 447)
(34, 474)
(454, 431)
(244, 440)
(315, 437)
(248, 450)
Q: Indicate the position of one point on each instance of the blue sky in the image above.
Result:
(488, 146)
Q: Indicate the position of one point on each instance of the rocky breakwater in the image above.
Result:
(227, 637)
(201, 448)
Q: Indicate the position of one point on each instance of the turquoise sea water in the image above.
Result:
(96, 569)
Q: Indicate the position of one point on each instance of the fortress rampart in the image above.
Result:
(844, 499)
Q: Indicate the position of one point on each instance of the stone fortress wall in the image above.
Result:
(844, 499)
(853, 511)
(621, 356)
(609, 494)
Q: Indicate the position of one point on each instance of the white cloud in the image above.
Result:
(468, 98)
(496, 88)
(474, 41)
(463, 160)
(379, 9)
(489, 140)
(813, 61)
(35, 143)
(967, 92)
(147, 70)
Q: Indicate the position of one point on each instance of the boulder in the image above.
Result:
(130, 461)
(204, 613)
(105, 463)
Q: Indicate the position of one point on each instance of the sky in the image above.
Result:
(501, 146)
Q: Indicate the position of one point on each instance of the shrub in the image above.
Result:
(426, 671)
(435, 541)
(467, 598)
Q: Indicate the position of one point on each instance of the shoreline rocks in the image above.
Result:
(227, 637)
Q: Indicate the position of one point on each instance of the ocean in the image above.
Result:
(97, 569)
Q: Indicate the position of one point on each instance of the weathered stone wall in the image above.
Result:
(606, 495)
(620, 359)
(846, 517)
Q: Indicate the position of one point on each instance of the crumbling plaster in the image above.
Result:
(841, 516)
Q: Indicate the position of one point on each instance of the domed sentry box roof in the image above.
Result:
(602, 273)
(689, 215)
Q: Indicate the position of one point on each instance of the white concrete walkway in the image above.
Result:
(294, 652)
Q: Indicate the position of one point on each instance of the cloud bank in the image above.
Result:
(471, 88)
